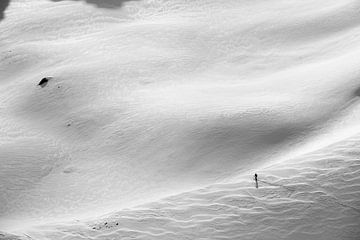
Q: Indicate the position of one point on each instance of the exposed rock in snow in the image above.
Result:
(162, 111)
(44, 82)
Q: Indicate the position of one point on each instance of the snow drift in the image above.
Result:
(155, 98)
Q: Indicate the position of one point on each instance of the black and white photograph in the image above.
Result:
(179, 119)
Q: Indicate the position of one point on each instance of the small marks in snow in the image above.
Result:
(105, 225)
(69, 123)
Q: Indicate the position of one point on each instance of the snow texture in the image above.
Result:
(159, 112)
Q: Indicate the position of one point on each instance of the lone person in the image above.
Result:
(256, 181)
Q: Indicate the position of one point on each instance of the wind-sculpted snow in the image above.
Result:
(151, 99)
(315, 196)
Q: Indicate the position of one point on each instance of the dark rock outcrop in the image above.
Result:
(44, 82)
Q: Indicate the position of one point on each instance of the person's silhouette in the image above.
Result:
(256, 180)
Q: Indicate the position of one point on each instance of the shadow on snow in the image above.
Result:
(103, 3)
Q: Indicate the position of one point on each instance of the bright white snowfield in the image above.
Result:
(158, 113)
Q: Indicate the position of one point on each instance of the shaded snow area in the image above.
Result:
(147, 119)
(315, 196)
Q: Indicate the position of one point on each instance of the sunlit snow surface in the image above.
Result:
(158, 113)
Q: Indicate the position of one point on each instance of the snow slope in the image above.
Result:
(150, 99)
(315, 196)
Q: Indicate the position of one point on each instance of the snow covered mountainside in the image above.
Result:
(157, 113)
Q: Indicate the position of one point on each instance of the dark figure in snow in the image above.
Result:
(256, 181)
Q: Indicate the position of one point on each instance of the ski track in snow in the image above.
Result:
(159, 112)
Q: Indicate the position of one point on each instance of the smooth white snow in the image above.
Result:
(150, 99)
